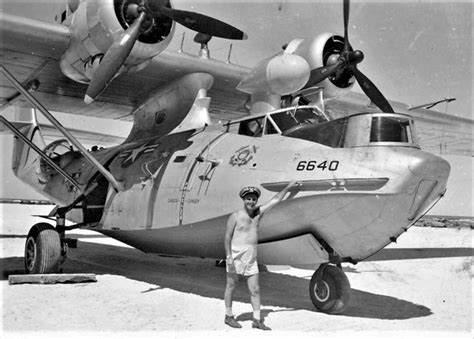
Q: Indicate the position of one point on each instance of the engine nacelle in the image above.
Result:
(97, 24)
(324, 50)
(288, 72)
(281, 74)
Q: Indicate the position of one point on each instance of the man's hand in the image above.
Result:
(278, 197)
(230, 264)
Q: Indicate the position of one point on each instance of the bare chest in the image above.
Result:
(244, 223)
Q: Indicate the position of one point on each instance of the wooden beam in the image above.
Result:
(51, 278)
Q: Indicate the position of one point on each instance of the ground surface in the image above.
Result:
(422, 284)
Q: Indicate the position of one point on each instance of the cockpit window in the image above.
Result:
(288, 119)
(359, 130)
(277, 122)
(331, 133)
(270, 128)
(253, 128)
(390, 129)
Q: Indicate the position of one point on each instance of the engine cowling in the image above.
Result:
(96, 25)
(323, 50)
(288, 72)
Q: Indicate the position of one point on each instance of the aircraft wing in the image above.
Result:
(31, 50)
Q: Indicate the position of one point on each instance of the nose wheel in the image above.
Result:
(329, 289)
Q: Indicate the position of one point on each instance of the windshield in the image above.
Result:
(288, 119)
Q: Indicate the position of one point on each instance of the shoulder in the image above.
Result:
(235, 215)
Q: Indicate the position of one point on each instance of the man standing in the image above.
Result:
(240, 243)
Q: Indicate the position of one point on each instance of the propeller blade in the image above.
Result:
(113, 60)
(372, 91)
(319, 74)
(204, 24)
(346, 23)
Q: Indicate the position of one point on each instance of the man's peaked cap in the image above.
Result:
(249, 190)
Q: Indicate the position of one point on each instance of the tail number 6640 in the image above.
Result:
(312, 165)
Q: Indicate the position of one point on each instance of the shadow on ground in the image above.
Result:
(420, 253)
(202, 277)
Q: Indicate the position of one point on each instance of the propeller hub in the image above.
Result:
(355, 57)
(132, 12)
(332, 59)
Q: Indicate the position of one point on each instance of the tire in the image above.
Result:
(333, 294)
(42, 250)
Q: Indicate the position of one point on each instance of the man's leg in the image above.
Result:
(254, 288)
(232, 280)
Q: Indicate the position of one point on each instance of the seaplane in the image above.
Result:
(170, 186)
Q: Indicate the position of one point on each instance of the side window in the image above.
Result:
(253, 128)
(388, 129)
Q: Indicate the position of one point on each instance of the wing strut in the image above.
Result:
(117, 185)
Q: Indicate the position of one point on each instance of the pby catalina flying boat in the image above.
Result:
(169, 188)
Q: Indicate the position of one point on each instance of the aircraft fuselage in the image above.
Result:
(181, 188)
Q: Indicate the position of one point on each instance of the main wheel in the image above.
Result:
(42, 250)
(332, 293)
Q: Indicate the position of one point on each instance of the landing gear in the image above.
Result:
(329, 289)
(42, 250)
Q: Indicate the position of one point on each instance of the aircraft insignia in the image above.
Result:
(243, 155)
(131, 155)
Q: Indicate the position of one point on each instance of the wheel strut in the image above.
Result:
(60, 227)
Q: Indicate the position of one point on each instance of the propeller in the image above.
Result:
(113, 60)
(143, 13)
(203, 24)
(347, 61)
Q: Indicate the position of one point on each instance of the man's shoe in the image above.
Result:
(230, 320)
(260, 325)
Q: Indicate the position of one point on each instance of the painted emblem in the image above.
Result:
(243, 155)
(130, 156)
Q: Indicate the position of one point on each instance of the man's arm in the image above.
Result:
(277, 198)
(229, 232)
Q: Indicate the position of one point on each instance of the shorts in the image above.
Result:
(245, 260)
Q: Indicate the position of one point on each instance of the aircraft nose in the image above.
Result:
(431, 175)
(430, 166)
